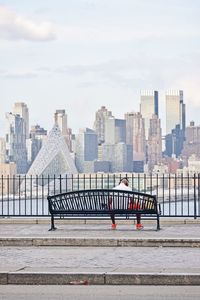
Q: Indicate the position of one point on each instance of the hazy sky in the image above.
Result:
(78, 55)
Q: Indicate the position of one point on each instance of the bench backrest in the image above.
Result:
(101, 200)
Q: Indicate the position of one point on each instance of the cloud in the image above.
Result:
(16, 27)
(18, 74)
(116, 34)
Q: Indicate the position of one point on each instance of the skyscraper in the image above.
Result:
(60, 119)
(135, 134)
(86, 149)
(16, 142)
(119, 155)
(99, 124)
(175, 110)
(115, 131)
(34, 143)
(192, 141)
(148, 107)
(2, 150)
(175, 123)
(21, 109)
(154, 144)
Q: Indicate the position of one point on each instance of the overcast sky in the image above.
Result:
(78, 55)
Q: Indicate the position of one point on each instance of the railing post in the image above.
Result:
(31, 194)
(13, 195)
(169, 194)
(25, 195)
(2, 210)
(60, 183)
(195, 202)
(42, 194)
(19, 195)
(8, 192)
(163, 193)
(198, 195)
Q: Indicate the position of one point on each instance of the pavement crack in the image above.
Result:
(20, 269)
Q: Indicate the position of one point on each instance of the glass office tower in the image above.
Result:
(148, 107)
(175, 111)
(175, 122)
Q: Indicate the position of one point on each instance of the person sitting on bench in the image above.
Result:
(124, 185)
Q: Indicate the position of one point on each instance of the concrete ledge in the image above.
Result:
(38, 278)
(46, 220)
(16, 242)
(152, 279)
(56, 278)
(3, 278)
(99, 242)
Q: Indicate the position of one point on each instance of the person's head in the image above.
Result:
(124, 181)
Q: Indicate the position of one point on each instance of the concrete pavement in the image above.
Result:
(91, 253)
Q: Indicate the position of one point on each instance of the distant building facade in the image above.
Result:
(154, 144)
(192, 141)
(16, 142)
(119, 155)
(34, 143)
(21, 109)
(175, 123)
(8, 170)
(148, 107)
(115, 131)
(99, 124)
(2, 150)
(86, 149)
(135, 136)
(175, 110)
(61, 119)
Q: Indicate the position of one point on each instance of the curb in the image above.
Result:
(67, 221)
(99, 242)
(37, 278)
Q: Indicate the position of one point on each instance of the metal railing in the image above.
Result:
(178, 195)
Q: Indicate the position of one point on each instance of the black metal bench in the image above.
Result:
(97, 202)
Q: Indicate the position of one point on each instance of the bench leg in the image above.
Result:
(158, 222)
(52, 224)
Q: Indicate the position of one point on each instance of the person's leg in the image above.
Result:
(139, 225)
(112, 216)
(138, 216)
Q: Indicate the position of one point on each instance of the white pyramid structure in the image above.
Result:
(54, 157)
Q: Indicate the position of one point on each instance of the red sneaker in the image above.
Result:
(139, 226)
(114, 226)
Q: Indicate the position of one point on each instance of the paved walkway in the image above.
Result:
(100, 229)
(27, 255)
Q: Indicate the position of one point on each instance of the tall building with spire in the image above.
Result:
(148, 107)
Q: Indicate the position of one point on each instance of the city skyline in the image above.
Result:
(89, 53)
(161, 114)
